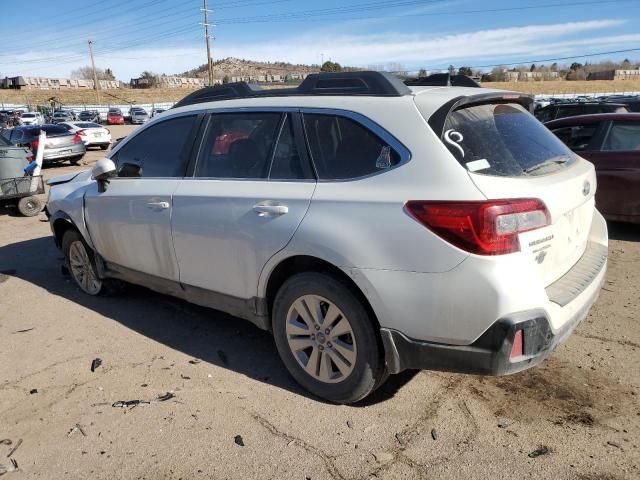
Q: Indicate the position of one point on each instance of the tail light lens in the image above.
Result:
(77, 139)
(34, 145)
(80, 132)
(485, 228)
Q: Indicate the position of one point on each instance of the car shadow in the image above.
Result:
(198, 332)
(628, 232)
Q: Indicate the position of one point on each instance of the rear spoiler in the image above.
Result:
(438, 119)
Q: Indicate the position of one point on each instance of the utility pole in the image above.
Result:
(207, 37)
(96, 85)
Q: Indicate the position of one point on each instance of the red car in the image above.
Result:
(115, 118)
(611, 141)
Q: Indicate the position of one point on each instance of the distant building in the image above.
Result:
(168, 82)
(510, 76)
(46, 83)
(633, 74)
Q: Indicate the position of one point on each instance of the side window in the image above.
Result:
(623, 137)
(238, 145)
(577, 138)
(158, 151)
(570, 111)
(287, 163)
(342, 148)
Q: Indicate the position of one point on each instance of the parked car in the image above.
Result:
(91, 133)
(157, 111)
(612, 143)
(138, 117)
(115, 118)
(90, 116)
(562, 110)
(61, 144)
(61, 117)
(32, 118)
(632, 102)
(372, 227)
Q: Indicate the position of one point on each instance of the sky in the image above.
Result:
(167, 36)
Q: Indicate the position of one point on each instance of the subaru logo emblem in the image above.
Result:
(586, 188)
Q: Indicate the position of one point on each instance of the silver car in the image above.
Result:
(60, 145)
(138, 117)
(369, 226)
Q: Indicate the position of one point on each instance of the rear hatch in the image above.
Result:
(58, 137)
(508, 154)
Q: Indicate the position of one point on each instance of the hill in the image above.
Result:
(230, 67)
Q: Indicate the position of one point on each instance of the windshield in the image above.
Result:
(503, 140)
(28, 115)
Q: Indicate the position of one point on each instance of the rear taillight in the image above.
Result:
(76, 139)
(80, 132)
(485, 228)
(34, 145)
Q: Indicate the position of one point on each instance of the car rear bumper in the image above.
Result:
(491, 354)
(60, 153)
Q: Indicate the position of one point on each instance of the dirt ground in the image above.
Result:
(237, 414)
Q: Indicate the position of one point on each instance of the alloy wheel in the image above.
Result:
(82, 269)
(321, 339)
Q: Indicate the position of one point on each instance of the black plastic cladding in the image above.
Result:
(378, 84)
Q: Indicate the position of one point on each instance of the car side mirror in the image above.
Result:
(102, 171)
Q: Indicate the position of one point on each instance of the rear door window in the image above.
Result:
(622, 137)
(289, 163)
(503, 140)
(577, 137)
(342, 148)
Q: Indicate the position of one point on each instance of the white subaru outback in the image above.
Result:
(370, 226)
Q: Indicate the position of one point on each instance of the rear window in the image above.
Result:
(28, 115)
(503, 140)
(51, 130)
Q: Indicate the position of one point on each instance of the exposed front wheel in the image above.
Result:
(79, 260)
(326, 338)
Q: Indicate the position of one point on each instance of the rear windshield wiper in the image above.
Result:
(562, 159)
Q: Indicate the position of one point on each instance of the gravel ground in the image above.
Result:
(237, 414)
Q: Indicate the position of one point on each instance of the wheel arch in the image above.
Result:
(295, 264)
(60, 224)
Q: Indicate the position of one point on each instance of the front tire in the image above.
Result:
(327, 338)
(80, 263)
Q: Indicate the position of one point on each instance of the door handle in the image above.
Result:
(270, 210)
(158, 205)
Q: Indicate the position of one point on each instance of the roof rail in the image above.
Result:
(377, 84)
(443, 80)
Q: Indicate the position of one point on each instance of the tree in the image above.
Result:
(553, 67)
(575, 66)
(465, 71)
(152, 78)
(330, 66)
(533, 67)
(452, 70)
(86, 73)
(225, 79)
(422, 73)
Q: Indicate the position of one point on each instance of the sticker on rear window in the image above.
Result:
(476, 165)
(384, 159)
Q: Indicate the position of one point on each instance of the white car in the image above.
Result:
(32, 118)
(92, 134)
(370, 226)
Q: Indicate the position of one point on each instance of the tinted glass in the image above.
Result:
(570, 111)
(157, 151)
(87, 125)
(546, 114)
(287, 161)
(623, 137)
(238, 145)
(577, 137)
(28, 115)
(50, 129)
(342, 148)
(502, 140)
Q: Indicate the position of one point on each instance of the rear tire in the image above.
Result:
(104, 147)
(30, 206)
(75, 160)
(326, 338)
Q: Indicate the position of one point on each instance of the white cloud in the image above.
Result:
(412, 49)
